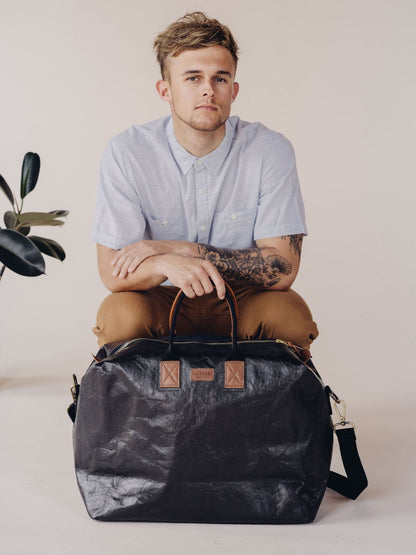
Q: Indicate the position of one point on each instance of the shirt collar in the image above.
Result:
(212, 161)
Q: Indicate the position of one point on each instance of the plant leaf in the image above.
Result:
(6, 189)
(30, 173)
(24, 230)
(59, 213)
(11, 222)
(39, 218)
(48, 246)
(19, 254)
(9, 219)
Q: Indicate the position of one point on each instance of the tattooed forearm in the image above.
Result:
(295, 242)
(256, 267)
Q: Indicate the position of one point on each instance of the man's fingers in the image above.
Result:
(116, 258)
(207, 284)
(134, 264)
(198, 287)
(124, 264)
(188, 291)
(217, 280)
(194, 276)
(116, 270)
(124, 268)
(117, 266)
(206, 278)
(120, 257)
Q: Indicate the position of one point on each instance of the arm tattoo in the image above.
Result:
(295, 242)
(256, 267)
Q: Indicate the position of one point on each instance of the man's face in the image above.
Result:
(200, 87)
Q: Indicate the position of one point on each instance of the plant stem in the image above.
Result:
(2, 271)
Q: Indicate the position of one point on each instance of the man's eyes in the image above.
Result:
(195, 78)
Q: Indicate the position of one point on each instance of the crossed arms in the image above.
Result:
(197, 269)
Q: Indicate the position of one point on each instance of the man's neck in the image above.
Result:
(197, 143)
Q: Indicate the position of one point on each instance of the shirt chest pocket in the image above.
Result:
(166, 228)
(233, 230)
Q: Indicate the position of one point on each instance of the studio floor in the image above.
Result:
(41, 510)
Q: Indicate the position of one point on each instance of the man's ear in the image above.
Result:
(163, 89)
(236, 88)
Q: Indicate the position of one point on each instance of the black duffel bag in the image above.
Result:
(207, 430)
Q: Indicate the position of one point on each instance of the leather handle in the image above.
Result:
(232, 305)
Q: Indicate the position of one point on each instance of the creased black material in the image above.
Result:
(202, 453)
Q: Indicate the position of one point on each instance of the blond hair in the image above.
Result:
(193, 30)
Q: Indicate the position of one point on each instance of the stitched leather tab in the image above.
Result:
(202, 374)
(234, 374)
(169, 373)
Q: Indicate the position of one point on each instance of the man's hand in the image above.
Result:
(196, 277)
(129, 258)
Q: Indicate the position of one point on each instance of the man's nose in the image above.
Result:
(208, 90)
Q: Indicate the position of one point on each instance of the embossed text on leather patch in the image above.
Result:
(202, 374)
(169, 373)
(234, 374)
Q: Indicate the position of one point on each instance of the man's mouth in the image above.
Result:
(209, 107)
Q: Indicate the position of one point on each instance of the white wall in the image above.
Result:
(336, 77)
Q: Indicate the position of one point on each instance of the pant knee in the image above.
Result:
(124, 316)
(278, 315)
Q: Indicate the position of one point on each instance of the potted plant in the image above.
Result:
(20, 251)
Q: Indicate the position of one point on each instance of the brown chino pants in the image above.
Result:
(262, 314)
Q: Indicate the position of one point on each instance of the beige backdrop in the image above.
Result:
(338, 78)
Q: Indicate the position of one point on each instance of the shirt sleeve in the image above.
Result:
(280, 208)
(119, 219)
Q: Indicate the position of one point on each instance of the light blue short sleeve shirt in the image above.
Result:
(150, 187)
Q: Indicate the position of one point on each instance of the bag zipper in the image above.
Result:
(127, 344)
(295, 348)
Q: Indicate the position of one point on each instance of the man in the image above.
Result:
(197, 198)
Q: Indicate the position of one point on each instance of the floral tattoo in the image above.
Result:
(256, 267)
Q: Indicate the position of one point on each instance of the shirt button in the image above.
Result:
(199, 162)
(234, 217)
(165, 223)
(203, 228)
(201, 191)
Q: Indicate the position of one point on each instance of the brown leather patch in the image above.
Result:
(202, 374)
(234, 374)
(169, 373)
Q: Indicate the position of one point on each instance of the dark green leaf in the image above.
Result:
(39, 218)
(24, 230)
(48, 246)
(59, 213)
(30, 173)
(19, 254)
(6, 189)
(9, 219)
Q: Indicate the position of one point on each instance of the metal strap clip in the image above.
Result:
(341, 410)
(75, 389)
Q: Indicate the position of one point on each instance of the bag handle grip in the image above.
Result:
(232, 305)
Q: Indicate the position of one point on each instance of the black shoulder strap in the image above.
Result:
(356, 481)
